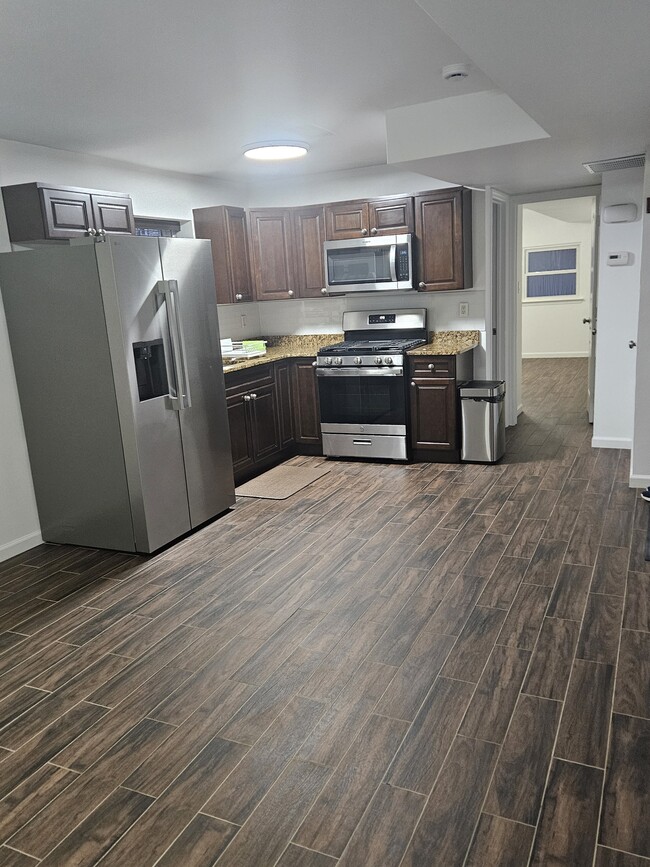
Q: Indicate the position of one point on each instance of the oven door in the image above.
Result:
(362, 401)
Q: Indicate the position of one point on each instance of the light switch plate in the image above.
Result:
(463, 309)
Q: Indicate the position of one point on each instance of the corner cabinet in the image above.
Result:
(434, 408)
(443, 231)
(390, 215)
(43, 212)
(225, 226)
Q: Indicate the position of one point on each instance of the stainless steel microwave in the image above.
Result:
(379, 264)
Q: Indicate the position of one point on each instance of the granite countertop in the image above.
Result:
(291, 346)
(307, 345)
(449, 343)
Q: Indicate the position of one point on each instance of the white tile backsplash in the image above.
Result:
(232, 325)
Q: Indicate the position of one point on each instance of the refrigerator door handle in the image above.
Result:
(168, 289)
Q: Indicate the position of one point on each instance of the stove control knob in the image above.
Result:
(338, 361)
(328, 361)
(388, 360)
(378, 360)
(358, 360)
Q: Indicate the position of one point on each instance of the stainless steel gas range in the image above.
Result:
(362, 384)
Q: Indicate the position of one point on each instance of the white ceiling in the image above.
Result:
(184, 86)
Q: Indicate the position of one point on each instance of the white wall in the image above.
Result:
(154, 194)
(554, 329)
(618, 312)
(640, 466)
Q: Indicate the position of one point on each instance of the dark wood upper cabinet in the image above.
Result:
(308, 238)
(113, 214)
(226, 227)
(390, 216)
(443, 229)
(271, 246)
(42, 212)
(346, 220)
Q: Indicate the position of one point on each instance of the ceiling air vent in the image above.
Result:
(599, 166)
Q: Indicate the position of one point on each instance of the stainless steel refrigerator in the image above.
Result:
(116, 351)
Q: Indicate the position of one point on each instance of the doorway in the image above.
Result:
(551, 302)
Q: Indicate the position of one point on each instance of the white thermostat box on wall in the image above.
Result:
(618, 258)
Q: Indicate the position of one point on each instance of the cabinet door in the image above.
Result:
(439, 230)
(306, 408)
(265, 421)
(433, 413)
(346, 220)
(283, 385)
(391, 216)
(113, 214)
(67, 214)
(271, 253)
(308, 237)
(241, 441)
(226, 228)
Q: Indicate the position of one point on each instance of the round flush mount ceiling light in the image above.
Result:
(275, 150)
(455, 71)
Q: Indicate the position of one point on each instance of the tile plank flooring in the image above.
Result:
(399, 665)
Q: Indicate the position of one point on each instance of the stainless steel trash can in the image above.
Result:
(483, 420)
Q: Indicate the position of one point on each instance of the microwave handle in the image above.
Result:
(392, 256)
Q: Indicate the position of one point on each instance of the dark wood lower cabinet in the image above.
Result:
(434, 405)
(273, 414)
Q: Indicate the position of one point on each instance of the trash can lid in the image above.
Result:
(483, 388)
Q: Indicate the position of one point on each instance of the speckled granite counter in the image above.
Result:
(307, 345)
(291, 346)
(449, 343)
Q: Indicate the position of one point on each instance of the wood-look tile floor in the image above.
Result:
(400, 665)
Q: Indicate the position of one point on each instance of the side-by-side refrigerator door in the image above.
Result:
(140, 321)
(188, 270)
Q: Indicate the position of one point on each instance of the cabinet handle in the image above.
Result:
(323, 291)
(364, 231)
(422, 285)
(247, 397)
(290, 293)
(238, 297)
(373, 231)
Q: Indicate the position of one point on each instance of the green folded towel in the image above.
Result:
(254, 345)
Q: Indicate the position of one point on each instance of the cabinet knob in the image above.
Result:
(364, 231)
(373, 231)
(253, 396)
(290, 293)
(238, 297)
(422, 285)
(323, 291)
(412, 384)
(90, 231)
(247, 397)
(314, 364)
(431, 366)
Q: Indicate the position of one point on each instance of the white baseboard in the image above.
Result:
(611, 443)
(639, 481)
(17, 546)
(555, 354)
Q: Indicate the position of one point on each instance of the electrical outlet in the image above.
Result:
(243, 320)
(463, 309)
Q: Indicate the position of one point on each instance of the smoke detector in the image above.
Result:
(455, 71)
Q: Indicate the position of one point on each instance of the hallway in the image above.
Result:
(461, 677)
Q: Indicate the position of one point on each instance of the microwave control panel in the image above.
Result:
(402, 262)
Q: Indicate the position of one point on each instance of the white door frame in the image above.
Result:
(513, 287)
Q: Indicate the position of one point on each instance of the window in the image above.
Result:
(551, 273)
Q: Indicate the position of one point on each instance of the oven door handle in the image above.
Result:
(392, 257)
(356, 371)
